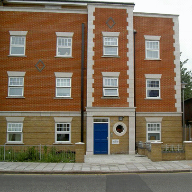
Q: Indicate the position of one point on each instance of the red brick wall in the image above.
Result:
(158, 27)
(110, 64)
(39, 87)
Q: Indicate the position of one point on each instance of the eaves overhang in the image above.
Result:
(64, 2)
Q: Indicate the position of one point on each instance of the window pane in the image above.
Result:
(110, 50)
(153, 84)
(14, 127)
(17, 40)
(110, 92)
(119, 129)
(64, 51)
(152, 54)
(106, 82)
(63, 82)
(152, 93)
(100, 120)
(63, 92)
(17, 50)
(14, 137)
(15, 91)
(64, 46)
(62, 137)
(114, 82)
(63, 127)
(17, 81)
(152, 45)
(110, 82)
(153, 136)
(64, 42)
(110, 41)
(152, 49)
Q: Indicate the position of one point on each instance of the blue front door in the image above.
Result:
(100, 138)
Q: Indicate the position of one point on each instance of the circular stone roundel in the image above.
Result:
(119, 129)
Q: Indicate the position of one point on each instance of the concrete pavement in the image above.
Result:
(99, 164)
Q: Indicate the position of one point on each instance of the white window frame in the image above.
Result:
(63, 75)
(153, 89)
(15, 130)
(66, 121)
(148, 49)
(18, 86)
(66, 132)
(110, 44)
(124, 128)
(16, 75)
(110, 75)
(65, 36)
(112, 37)
(64, 46)
(63, 87)
(17, 35)
(153, 131)
(110, 87)
(153, 40)
(20, 132)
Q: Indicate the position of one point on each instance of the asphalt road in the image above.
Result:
(173, 182)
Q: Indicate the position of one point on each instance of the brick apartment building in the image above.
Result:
(93, 72)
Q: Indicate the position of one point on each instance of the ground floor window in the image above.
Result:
(14, 132)
(154, 131)
(63, 133)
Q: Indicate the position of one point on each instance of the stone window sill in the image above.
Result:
(62, 98)
(14, 97)
(110, 97)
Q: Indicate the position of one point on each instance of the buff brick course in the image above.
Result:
(123, 146)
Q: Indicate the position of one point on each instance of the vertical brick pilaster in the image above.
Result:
(156, 153)
(188, 150)
(80, 152)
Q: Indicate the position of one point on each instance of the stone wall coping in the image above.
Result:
(79, 143)
(156, 142)
(187, 141)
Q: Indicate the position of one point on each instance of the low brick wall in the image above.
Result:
(73, 153)
(141, 151)
(157, 154)
(173, 156)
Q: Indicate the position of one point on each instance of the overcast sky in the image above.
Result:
(183, 8)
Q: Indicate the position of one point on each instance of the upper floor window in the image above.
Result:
(152, 47)
(110, 43)
(63, 87)
(63, 84)
(110, 46)
(15, 84)
(64, 44)
(110, 84)
(153, 86)
(17, 43)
